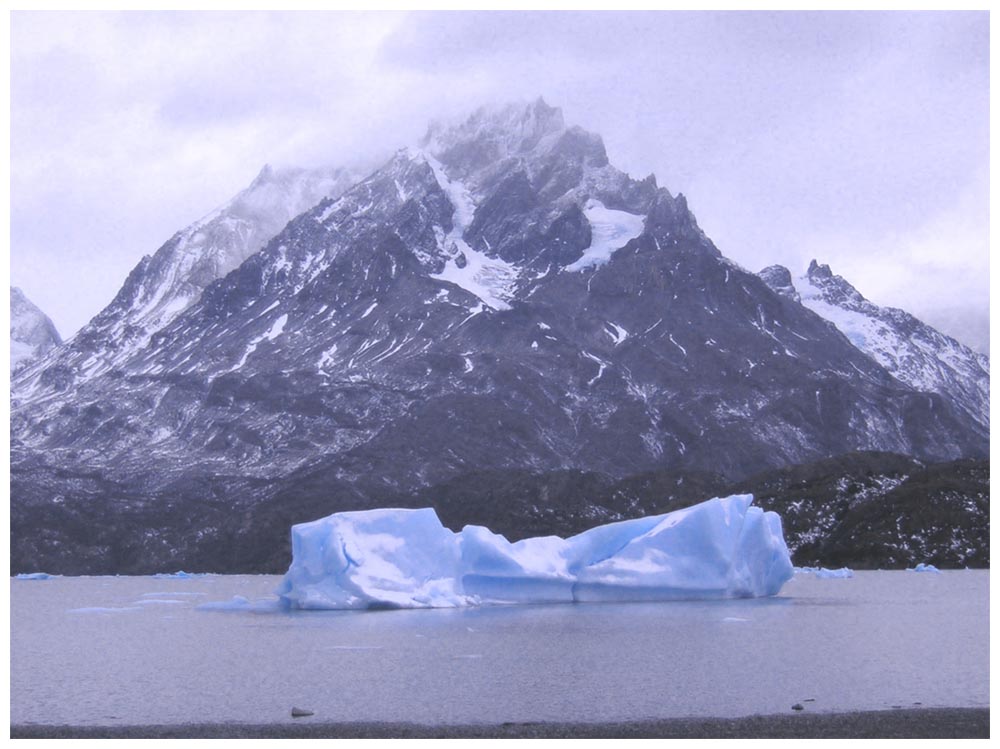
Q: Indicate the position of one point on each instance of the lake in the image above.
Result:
(138, 650)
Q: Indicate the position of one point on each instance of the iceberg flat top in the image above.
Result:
(397, 558)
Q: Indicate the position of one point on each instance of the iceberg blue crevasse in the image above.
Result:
(395, 558)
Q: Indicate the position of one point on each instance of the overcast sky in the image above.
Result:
(860, 139)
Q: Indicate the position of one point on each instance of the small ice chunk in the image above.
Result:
(843, 572)
(925, 568)
(179, 575)
(34, 576)
(104, 609)
(241, 603)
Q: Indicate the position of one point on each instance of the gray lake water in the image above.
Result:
(136, 650)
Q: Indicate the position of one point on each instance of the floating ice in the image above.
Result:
(34, 576)
(842, 572)
(103, 609)
(179, 575)
(924, 568)
(241, 603)
(394, 558)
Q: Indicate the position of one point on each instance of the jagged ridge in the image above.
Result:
(909, 349)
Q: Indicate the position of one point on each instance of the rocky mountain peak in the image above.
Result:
(511, 128)
(265, 174)
(821, 281)
(817, 271)
(32, 333)
(163, 285)
(779, 278)
(909, 349)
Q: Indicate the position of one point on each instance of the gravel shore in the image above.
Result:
(922, 723)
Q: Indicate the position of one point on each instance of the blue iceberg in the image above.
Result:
(179, 575)
(843, 572)
(395, 558)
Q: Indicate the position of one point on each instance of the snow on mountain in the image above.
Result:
(490, 279)
(213, 246)
(610, 230)
(909, 349)
(163, 285)
(32, 333)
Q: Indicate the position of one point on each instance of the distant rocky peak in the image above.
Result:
(266, 174)
(779, 278)
(831, 288)
(579, 144)
(818, 271)
(912, 351)
(671, 223)
(32, 333)
(495, 134)
(517, 125)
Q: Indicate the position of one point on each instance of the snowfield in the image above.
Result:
(610, 230)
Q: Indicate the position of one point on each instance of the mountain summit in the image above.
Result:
(164, 284)
(32, 333)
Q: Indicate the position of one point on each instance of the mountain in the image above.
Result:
(910, 350)
(499, 298)
(163, 285)
(32, 333)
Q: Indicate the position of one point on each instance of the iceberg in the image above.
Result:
(843, 572)
(402, 558)
(921, 567)
(179, 575)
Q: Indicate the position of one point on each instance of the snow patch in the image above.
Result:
(617, 332)
(489, 278)
(610, 230)
(600, 363)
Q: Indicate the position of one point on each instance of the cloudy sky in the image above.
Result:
(860, 139)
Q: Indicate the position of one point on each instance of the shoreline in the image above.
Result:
(894, 723)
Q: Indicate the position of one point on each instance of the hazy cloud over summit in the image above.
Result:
(861, 139)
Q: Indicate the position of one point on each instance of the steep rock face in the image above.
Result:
(912, 351)
(500, 298)
(163, 285)
(32, 333)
